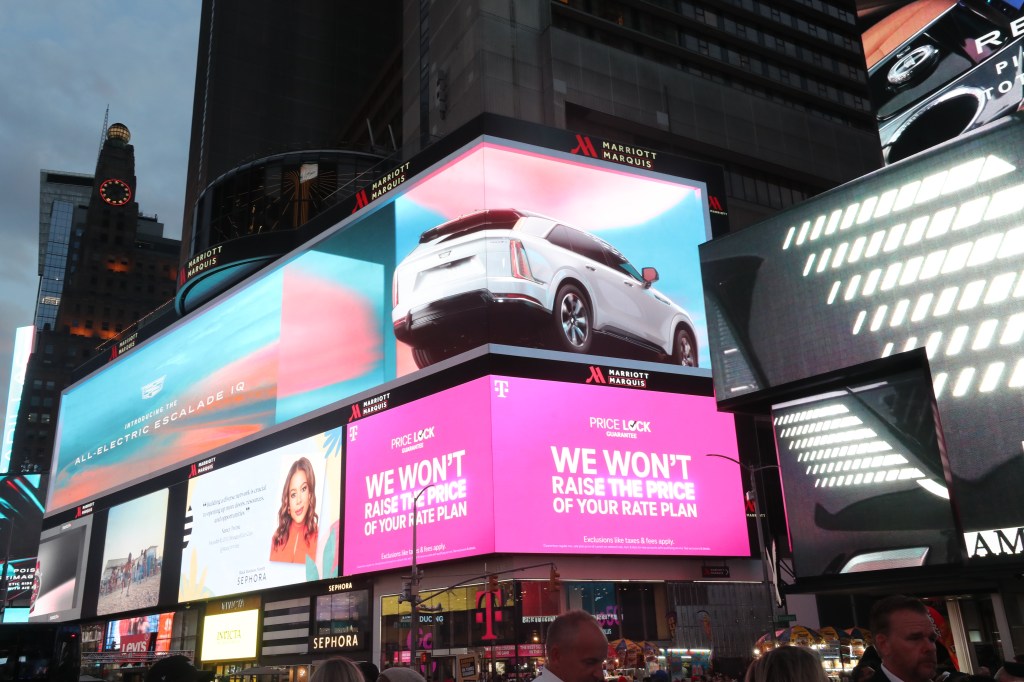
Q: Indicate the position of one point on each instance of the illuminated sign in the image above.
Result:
(60, 571)
(938, 71)
(414, 277)
(349, 641)
(230, 636)
(133, 554)
(269, 521)
(23, 339)
(615, 471)
(927, 254)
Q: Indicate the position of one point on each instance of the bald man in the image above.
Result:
(576, 649)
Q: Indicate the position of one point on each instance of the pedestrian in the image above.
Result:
(576, 649)
(399, 674)
(172, 669)
(370, 670)
(1011, 671)
(337, 669)
(905, 637)
(786, 664)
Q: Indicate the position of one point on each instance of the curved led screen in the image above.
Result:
(612, 471)
(600, 253)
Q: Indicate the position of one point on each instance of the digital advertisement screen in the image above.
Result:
(60, 571)
(937, 70)
(140, 634)
(269, 521)
(927, 254)
(21, 498)
(443, 441)
(498, 242)
(133, 555)
(230, 636)
(612, 471)
(863, 478)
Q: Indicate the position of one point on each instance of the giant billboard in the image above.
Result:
(864, 477)
(487, 464)
(268, 521)
(926, 254)
(499, 241)
(938, 69)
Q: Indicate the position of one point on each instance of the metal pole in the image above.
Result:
(752, 472)
(414, 589)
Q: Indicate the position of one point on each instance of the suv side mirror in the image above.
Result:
(650, 276)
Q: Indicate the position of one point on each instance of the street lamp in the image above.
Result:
(414, 586)
(752, 472)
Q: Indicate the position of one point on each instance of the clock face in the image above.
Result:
(115, 192)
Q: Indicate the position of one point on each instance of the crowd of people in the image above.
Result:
(906, 648)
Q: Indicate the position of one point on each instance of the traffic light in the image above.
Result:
(554, 581)
(492, 583)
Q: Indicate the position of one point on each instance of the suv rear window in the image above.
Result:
(476, 222)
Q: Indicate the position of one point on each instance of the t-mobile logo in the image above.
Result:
(501, 387)
(353, 431)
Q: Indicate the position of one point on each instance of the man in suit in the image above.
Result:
(576, 649)
(905, 637)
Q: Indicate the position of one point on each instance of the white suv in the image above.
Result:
(516, 277)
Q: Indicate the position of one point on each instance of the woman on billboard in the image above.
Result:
(297, 530)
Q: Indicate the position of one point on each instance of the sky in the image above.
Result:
(62, 63)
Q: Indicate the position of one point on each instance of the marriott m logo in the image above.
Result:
(714, 204)
(356, 413)
(361, 200)
(596, 376)
(584, 146)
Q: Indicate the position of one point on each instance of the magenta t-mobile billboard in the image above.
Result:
(441, 441)
(597, 469)
(532, 466)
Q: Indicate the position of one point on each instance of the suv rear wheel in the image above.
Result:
(573, 320)
(684, 348)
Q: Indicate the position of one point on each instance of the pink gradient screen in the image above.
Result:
(442, 440)
(600, 469)
(534, 466)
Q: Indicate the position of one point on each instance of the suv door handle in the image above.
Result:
(627, 283)
(591, 268)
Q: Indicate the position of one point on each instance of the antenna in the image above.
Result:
(103, 133)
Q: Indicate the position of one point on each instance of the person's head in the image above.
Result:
(576, 648)
(399, 674)
(787, 664)
(337, 670)
(370, 670)
(905, 637)
(172, 669)
(1011, 671)
(298, 501)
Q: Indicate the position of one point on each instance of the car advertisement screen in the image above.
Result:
(613, 470)
(269, 521)
(498, 242)
(863, 478)
(57, 587)
(927, 254)
(133, 555)
(937, 70)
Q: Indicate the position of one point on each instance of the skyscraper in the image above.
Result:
(104, 267)
(60, 194)
(776, 94)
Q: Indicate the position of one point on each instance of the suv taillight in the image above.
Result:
(517, 256)
(394, 291)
